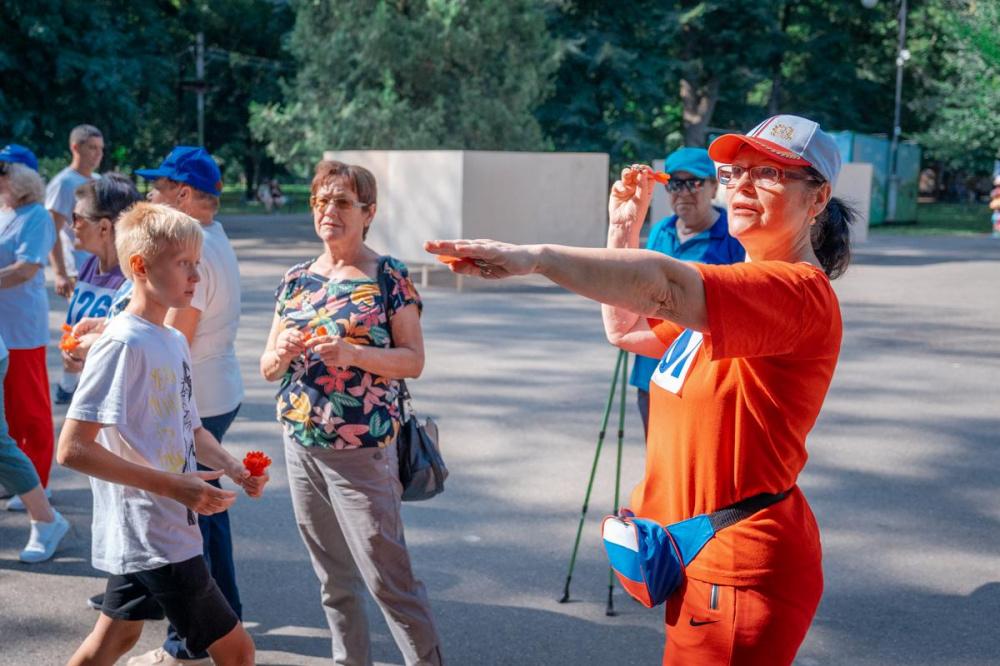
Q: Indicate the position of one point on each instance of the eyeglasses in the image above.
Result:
(4, 167)
(322, 203)
(675, 185)
(77, 216)
(764, 176)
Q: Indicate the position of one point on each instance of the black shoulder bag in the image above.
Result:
(422, 471)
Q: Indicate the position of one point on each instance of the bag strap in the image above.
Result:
(734, 513)
(383, 286)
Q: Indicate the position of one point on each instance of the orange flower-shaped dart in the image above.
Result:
(257, 462)
(68, 342)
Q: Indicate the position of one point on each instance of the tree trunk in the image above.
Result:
(774, 100)
(698, 102)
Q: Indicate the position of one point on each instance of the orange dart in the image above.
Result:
(449, 260)
(659, 176)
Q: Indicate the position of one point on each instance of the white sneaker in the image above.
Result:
(17, 504)
(44, 540)
(160, 657)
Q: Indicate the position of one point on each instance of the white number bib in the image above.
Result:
(677, 361)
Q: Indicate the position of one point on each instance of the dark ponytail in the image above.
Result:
(831, 237)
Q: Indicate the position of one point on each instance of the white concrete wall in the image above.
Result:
(510, 196)
(536, 197)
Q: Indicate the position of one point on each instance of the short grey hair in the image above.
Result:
(25, 185)
(83, 133)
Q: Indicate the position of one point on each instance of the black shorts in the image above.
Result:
(184, 592)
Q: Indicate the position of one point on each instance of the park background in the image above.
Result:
(279, 82)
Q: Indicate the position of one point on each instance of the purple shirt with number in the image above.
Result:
(94, 291)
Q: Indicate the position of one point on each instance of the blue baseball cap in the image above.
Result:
(693, 160)
(787, 139)
(191, 165)
(18, 154)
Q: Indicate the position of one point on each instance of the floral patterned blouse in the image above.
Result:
(347, 408)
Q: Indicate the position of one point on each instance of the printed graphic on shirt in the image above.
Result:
(677, 361)
(163, 404)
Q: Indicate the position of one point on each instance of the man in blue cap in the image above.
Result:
(697, 231)
(190, 181)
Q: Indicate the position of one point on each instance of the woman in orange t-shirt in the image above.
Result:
(747, 355)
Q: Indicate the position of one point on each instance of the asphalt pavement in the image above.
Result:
(902, 477)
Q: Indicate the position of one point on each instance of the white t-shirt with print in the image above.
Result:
(218, 385)
(137, 383)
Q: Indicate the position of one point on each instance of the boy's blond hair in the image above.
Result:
(148, 229)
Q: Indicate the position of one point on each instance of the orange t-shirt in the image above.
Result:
(730, 411)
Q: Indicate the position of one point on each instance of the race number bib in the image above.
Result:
(676, 363)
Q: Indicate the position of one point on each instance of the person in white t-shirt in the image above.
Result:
(134, 428)
(86, 143)
(189, 180)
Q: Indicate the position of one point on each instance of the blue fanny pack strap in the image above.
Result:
(692, 534)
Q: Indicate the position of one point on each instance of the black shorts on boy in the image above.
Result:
(184, 592)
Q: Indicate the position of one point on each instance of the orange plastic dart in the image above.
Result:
(449, 260)
(661, 177)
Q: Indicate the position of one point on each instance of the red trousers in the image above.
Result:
(29, 408)
(740, 626)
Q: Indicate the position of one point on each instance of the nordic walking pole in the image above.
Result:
(593, 471)
(610, 610)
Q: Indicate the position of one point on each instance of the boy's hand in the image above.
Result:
(191, 490)
(253, 486)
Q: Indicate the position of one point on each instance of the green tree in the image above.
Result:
(611, 92)
(411, 74)
(962, 125)
(120, 66)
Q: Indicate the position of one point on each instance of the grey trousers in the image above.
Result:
(347, 508)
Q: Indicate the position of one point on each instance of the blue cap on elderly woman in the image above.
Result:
(787, 139)
(693, 160)
(191, 165)
(17, 154)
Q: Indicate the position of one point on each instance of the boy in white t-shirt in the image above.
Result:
(134, 428)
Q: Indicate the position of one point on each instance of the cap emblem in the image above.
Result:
(783, 132)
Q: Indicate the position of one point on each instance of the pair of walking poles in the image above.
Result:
(621, 373)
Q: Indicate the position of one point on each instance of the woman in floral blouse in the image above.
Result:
(339, 350)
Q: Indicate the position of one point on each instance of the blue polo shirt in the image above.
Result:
(712, 246)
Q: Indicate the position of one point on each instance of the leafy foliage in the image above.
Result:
(120, 66)
(411, 74)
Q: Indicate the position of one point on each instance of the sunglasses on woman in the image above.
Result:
(675, 185)
(322, 203)
(764, 176)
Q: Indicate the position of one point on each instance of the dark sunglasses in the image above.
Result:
(4, 168)
(675, 185)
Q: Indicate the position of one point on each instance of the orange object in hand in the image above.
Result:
(661, 177)
(321, 330)
(256, 462)
(69, 342)
(449, 260)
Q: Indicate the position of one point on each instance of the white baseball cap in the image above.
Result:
(787, 139)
